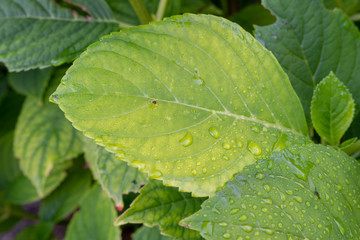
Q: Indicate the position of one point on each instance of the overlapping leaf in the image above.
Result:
(43, 139)
(332, 109)
(38, 33)
(309, 42)
(190, 100)
(114, 175)
(95, 219)
(146, 233)
(306, 192)
(163, 206)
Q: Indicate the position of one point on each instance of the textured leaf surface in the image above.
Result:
(22, 191)
(163, 206)
(332, 109)
(114, 175)
(66, 198)
(43, 138)
(309, 42)
(307, 192)
(38, 33)
(95, 219)
(31, 83)
(193, 126)
(146, 233)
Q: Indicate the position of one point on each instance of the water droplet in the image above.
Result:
(197, 78)
(264, 209)
(226, 235)
(214, 132)
(155, 174)
(268, 231)
(223, 224)
(234, 211)
(254, 148)
(289, 192)
(226, 158)
(215, 210)
(282, 197)
(255, 129)
(226, 146)
(247, 228)
(270, 164)
(239, 143)
(243, 217)
(204, 170)
(260, 176)
(194, 172)
(298, 199)
(267, 187)
(207, 228)
(187, 140)
(267, 200)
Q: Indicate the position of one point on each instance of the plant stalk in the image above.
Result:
(161, 10)
(141, 11)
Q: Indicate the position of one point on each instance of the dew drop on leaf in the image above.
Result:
(239, 143)
(187, 140)
(223, 224)
(226, 146)
(243, 217)
(259, 176)
(234, 211)
(247, 228)
(155, 174)
(254, 148)
(226, 235)
(214, 132)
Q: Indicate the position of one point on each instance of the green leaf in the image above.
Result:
(9, 165)
(309, 42)
(38, 33)
(146, 233)
(41, 231)
(95, 218)
(332, 109)
(43, 139)
(114, 175)
(66, 198)
(22, 191)
(192, 126)
(306, 192)
(162, 206)
(10, 108)
(348, 6)
(254, 14)
(31, 83)
(3, 86)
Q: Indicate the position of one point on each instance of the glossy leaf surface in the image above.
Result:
(95, 219)
(114, 175)
(310, 41)
(332, 109)
(192, 126)
(39, 33)
(163, 206)
(306, 192)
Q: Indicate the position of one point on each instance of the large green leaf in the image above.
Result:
(332, 109)
(9, 165)
(43, 138)
(146, 233)
(38, 33)
(149, 95)
(114, 175)
(95, 218)
(163, 206)
(306, 192)
(67, 197)
(31, 83)
(309, 42)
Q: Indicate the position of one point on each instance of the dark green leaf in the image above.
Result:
(31, 83)
(332, 109)
(165, 207)
(66, 198)
(309, 42)
(114, 175)
(306, 192)
(9, 165)
(41, 231)
(95, 218)
(38, 33)
(146, 233)
(10, 108)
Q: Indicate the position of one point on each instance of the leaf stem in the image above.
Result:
(161, 10)
(141, 11)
